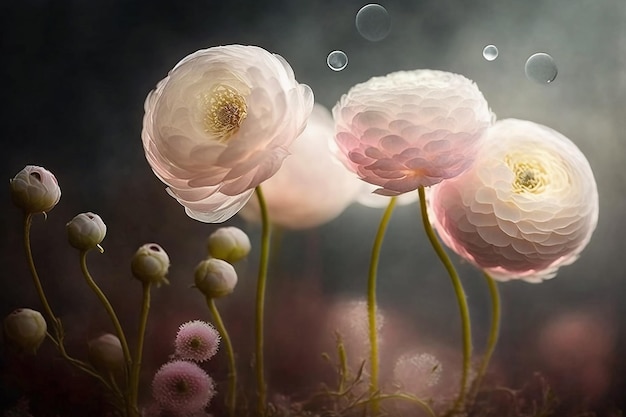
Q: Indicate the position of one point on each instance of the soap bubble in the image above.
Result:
(541, 68)
(490, 52)
(373, 22)
(337, 60)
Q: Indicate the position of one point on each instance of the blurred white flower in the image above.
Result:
(417, 372)
(312, 187)
(527, 206)
(220, 124)
(367, 196)
(410, 128)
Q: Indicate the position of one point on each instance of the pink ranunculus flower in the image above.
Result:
(528, 205)
(410, 129)
(220, 124)
(312, 187)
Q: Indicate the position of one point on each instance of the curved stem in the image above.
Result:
(232, 374)
(136, 364)
(371, 300)
(28, 220)
(402, 396)
(494, 331)
(460, 297)
(57, 340)
(260, 301)
(131, 406)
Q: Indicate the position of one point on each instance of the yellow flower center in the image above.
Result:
(225, 111)
(530, 175)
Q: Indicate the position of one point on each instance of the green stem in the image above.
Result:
(131, 406)
(402, 396)
(494, 331)
(28, 220)
(232, 374)
(57, 340)
(260, 301)
(371, 300)
(460, 297)
(136, 364)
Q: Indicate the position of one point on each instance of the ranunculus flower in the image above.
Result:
(528, 205)
(35, 189)
(312, 187)
(86, 231)
(220, 124)
(410, 129)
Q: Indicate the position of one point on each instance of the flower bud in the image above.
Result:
(105, 353)
(26, 328)
(229, 243)
(215, 278)
(150, 264)
(86, 231)
(35, 190)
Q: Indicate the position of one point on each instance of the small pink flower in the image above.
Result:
(183, 387)
(410, 129)
(196, 341)
(528, 205)
(220, 124)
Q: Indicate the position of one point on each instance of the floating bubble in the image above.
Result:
(337, 60)
(490, 52)
(541, 68)
(373, 22)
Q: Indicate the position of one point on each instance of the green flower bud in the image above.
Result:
(105, 353)
(26, 329)
(35, 190)
(150, 264)
(229, 243)
(86, 231)
(215, 278)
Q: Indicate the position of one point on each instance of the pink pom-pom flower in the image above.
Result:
(196, 341)
(220, 124)
(528, 205)
(182, 387)
(410, 129)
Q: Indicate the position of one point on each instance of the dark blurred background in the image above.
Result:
(74, 77)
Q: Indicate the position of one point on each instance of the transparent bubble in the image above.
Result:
(490, 52)
(373, 22)
(541, 68)
(337, 60)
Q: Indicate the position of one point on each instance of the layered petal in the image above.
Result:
(220, 124)
(528, 205)
(410, 128)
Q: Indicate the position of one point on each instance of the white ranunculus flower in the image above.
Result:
(528, 205)
(410, 129)
(312, 187)
(220, 124)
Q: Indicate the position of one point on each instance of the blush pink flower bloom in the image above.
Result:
(182, 387)
(410, 129)
(312, 187)
(220, 124)
(528, 205)
(196, 341)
